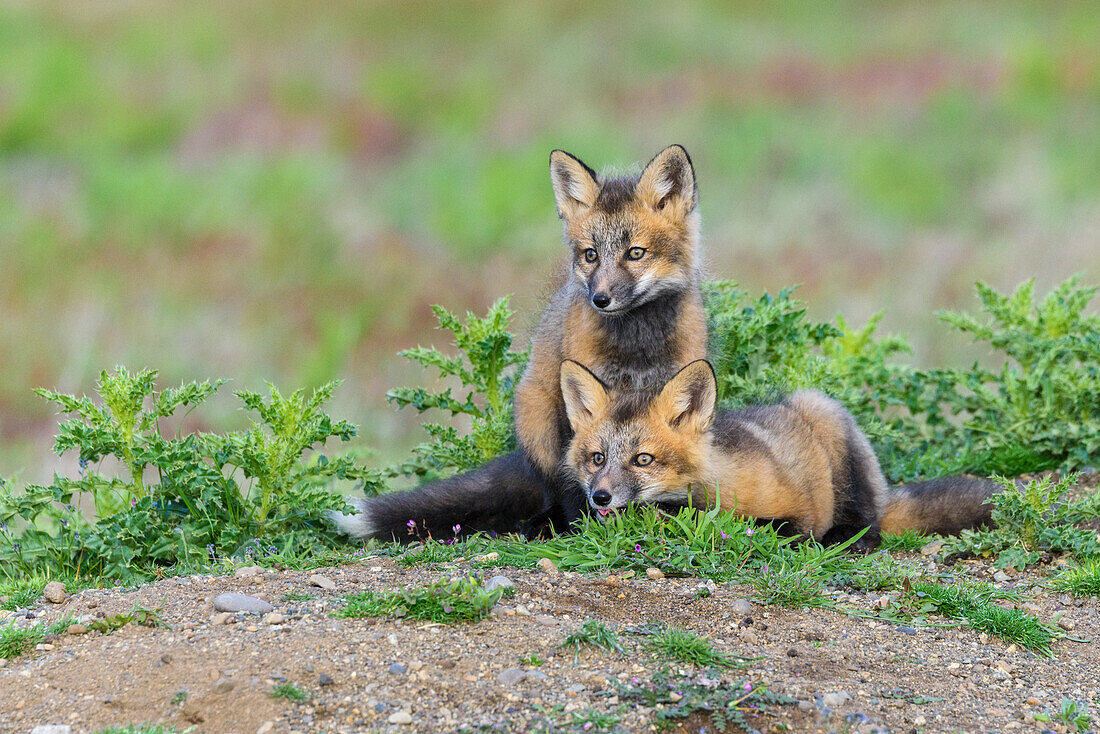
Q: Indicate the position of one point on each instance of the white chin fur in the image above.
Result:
(357, 525)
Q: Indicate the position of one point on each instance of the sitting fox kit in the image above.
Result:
(629, 306)
(803, 461)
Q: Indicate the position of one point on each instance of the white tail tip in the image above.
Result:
(359, 524)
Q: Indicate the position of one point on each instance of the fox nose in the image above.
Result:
(601, 497)
(601, 300)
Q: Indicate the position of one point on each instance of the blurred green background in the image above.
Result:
(279, 190)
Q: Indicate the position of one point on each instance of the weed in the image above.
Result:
(179, 698)
(1071, 714)
(1029, 519)
(487, 368)
(1082, 579)
(687, 647)
(595, 635)
(740, 703)
(14, 641)
(138, 615)
(592, 721)
(532, 660)
(245, 492)
(61, 624)
(449, 601)
(290, 692)
(297, 596)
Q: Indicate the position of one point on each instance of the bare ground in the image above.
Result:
(217, 677)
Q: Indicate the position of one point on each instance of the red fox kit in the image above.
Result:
(803, 461)
(628, 305)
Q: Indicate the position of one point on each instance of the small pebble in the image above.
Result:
(245, 572)
(76, 629)
(1066, 624)
(740, 607)
(241, 603)
(52, 729)
(400, 717)
(499, 582)
(654, 573)
(485, 558)
(55, 593)
(324, 679)
(511, 676)
(266, 727)
(546, 620)
(323, 582)
(275, 618)
(907, 630)
(547, 565)
(397, 669)
(224, 685)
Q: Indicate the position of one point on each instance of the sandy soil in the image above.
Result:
(216, 674)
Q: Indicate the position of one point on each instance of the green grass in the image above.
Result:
(290, 692)
(14, 642)
(593, 635)
(20, 592)
(974, 604)
(908, 541)
(448, 601)
(684, 646)
(1079, 579)
(297, 596)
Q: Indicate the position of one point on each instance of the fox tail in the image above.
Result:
(944, 506)
(498, 496)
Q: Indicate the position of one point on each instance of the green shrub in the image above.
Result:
(1037, 411)
(1029, 519)
(180, 501)
(487, 371)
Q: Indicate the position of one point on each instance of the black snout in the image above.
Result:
(601, 497)
(601, 300)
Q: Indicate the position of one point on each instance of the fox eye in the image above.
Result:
(635, 253)
(590, 255)
(643, 459)
(597, 458)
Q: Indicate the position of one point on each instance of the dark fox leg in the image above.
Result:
(498, 496)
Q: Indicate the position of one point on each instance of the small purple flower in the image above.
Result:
(748, 686)
(750, 531)
(635, 681)
(637, 547)
(456, 529)
(587, 725)
(724, 536)
(133, 502)
(411, 523)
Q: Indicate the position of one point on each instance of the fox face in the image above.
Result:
(632, 238)
(632, 447)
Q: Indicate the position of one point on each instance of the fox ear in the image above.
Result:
(584, 394)
(687, 401)
(668, 182)
(575, 186)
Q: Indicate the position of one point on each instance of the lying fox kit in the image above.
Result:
(803, 460)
